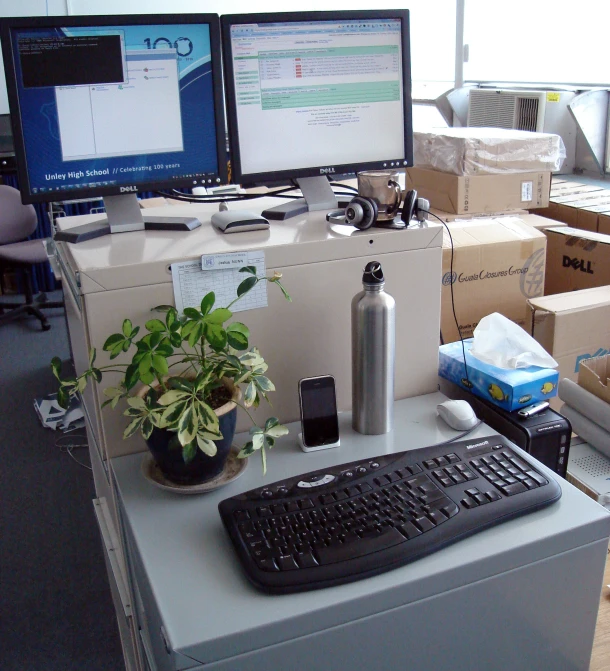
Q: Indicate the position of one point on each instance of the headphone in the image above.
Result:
(362, 212)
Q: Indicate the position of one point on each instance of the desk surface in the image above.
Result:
(209, 609)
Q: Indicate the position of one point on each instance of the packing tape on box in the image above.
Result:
(591, 406)
(587, 429)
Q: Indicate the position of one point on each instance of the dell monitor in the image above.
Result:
(108, 106)
(312, 94)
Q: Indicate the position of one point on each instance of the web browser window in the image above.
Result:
(319, 92)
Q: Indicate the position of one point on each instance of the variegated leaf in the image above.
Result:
(206, 446)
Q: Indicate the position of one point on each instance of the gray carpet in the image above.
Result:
(56, 611)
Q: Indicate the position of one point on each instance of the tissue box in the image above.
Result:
(509, 389)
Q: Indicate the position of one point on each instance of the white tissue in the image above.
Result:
(500, 342)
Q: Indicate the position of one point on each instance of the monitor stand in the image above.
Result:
(317, 195)
(125, 215)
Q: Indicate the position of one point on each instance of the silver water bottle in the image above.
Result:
(373, 350)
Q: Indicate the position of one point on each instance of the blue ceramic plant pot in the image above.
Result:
(167, 451)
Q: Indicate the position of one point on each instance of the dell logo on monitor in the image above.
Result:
(127, 189)
(326, 171)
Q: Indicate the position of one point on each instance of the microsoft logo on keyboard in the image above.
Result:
(471, 447)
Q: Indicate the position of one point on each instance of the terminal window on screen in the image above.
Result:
(325, 93)
(139, 116)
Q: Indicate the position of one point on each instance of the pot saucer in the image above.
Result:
(233, 469)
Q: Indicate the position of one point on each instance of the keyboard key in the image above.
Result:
(452, 458)
(266, 564)
(441, 461)
(364, 546)
(430, 464)
(511, 490)
(286, 563)
(423, 523)
(481, 499)
(493, 495)
(415, 469)
(468, 502)
(450, 509)
(529, 483)
(409, 530)
(305, 560)
(537, 478)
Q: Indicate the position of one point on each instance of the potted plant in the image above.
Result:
(183, 382)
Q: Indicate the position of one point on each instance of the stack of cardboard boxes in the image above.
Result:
(483, 182)
(533, 247)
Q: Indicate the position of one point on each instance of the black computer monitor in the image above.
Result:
(112, 105)
(312, 94)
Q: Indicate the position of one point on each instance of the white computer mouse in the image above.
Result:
(459, 415)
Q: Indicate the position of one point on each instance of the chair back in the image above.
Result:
(17, 221)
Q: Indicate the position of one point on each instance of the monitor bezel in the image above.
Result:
(7, 25)
(284, 176)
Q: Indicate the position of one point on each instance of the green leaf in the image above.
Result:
(136, 402)
(216, 336)
(286, 295)
(82, 383)
(187, 426)
(192, 313)
(113, 340)
(264, 383)
(219, 316)
(249, 395)
(175, 339)
(206, 446)
(195, 335)
(172, 396)
(145, 365)
(92, 357)
(270, 423)
(180, 383)
(56, 366)
(164, 349)
(248, 269)
(246, 285)
(160, 364)
(171, 318)
(173, 413)
(207, 303)
(163, 308)
(236, 339)
(188, 452)
(246, 450)
(134, 412)
(147, 427)
(277, 431)
(127, 328)
(264, 459)
(63, 398)
(155, 325)
(97, 374)
(132, 375)
(132, 427)
(148, 377)
(257, 441)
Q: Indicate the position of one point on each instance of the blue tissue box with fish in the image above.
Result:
(510, 389)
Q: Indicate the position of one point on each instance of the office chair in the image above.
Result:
(17, 222)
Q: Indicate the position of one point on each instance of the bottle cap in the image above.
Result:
(373, 274)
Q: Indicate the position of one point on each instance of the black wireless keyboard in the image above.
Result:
(359, 519)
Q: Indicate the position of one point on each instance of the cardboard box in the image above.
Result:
(538, 221)
(603, 222)
(576, 259)
(593, 376)
(582, 211)
(497, 265)
(487, 151)
(482, 193)
(572, 327)
(510, 389)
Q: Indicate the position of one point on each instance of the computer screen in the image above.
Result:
(106, 105)
(319, 93)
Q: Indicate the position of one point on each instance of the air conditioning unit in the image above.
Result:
(540, 111)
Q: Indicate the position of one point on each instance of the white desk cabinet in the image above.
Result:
(125, 275)
(523, 595)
